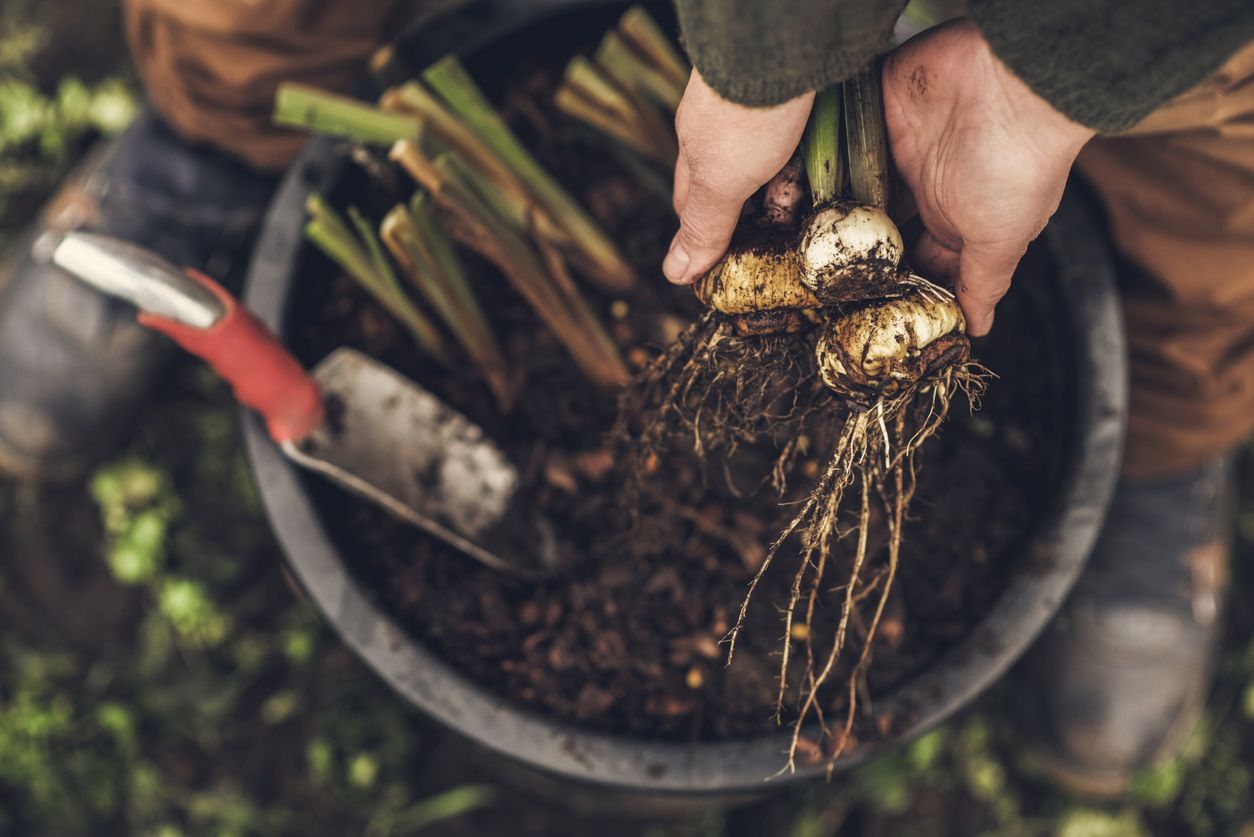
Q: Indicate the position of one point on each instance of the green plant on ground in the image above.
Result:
(42, 131)
(211, 685)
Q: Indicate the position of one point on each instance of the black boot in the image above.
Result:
(74, 365)
(1118, 680)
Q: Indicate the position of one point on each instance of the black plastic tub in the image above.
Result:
(1084, 279)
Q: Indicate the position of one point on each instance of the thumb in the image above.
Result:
(983, 279)
(706, 223)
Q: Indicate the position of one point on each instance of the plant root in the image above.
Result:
(720, 390)
(876, 449)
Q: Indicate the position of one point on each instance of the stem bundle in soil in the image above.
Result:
(312, 109)
(492, 196)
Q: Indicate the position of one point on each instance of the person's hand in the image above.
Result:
(984, 157)
(726, 152)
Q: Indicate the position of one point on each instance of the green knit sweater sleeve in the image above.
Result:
(764, 52)
(1104, 63)
(1108, 63)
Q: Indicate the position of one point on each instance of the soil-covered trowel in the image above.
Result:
(354, 420)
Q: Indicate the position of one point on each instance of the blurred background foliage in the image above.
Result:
(63, 82)
(159, 674)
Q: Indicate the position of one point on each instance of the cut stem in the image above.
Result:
(642, 31)
(870, 171)
(593, 251)
(311, 109)
(473, 223)
(387, 68)
(825, 164)
(426, 257)
(413, 98)
(630, 70)
(366, 263)
(506, 187)
(590, 94)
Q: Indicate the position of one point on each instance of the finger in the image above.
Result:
(935, 261)
(983, 279)
(705, 229)
(683, 175)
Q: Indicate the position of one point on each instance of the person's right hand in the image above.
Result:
(984, 157)
(726, 152)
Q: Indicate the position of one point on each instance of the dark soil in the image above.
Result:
(626, 640)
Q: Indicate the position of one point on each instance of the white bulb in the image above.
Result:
(848, 243)
(885, 333)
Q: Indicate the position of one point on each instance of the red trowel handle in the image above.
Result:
(262, 372)
(205, 320)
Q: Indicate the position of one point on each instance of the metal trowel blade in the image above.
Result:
(391, 441)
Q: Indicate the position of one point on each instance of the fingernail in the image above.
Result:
(675, 265)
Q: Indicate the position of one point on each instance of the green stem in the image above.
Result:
(368, 265)
(593, 96)
(821, 147)
(344, 247)
(300, 106)
(513, 212)
(870, 171)
(639, 27)
(415, 243)
(630, 70)
(420, 212)
(600, 257)
(451, 803)
(413, 98)
(475, 225)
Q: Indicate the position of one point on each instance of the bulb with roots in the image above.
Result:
(758, 284)
(882, 348)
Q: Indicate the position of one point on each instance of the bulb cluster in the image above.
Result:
(882, 327)
(886, 328)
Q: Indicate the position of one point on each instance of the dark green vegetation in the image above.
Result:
(158, 676)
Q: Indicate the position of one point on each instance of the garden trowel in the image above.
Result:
(354, 420)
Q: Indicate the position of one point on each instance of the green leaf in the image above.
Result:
(321, 758)
(923, 753)
(73, 101)
(453, 803)
(116, 720)
(114, 106)
(136, 556)
(187, 606)
(1090, 822)
(363, 770)
(1159, 785)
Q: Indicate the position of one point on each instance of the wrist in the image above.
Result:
(1055, 132)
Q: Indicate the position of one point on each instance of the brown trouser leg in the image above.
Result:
(211, 67)
(1180, 193)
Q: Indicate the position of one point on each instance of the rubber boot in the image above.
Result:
(1119, 679)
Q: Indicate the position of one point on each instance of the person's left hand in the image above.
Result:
(984, 158)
